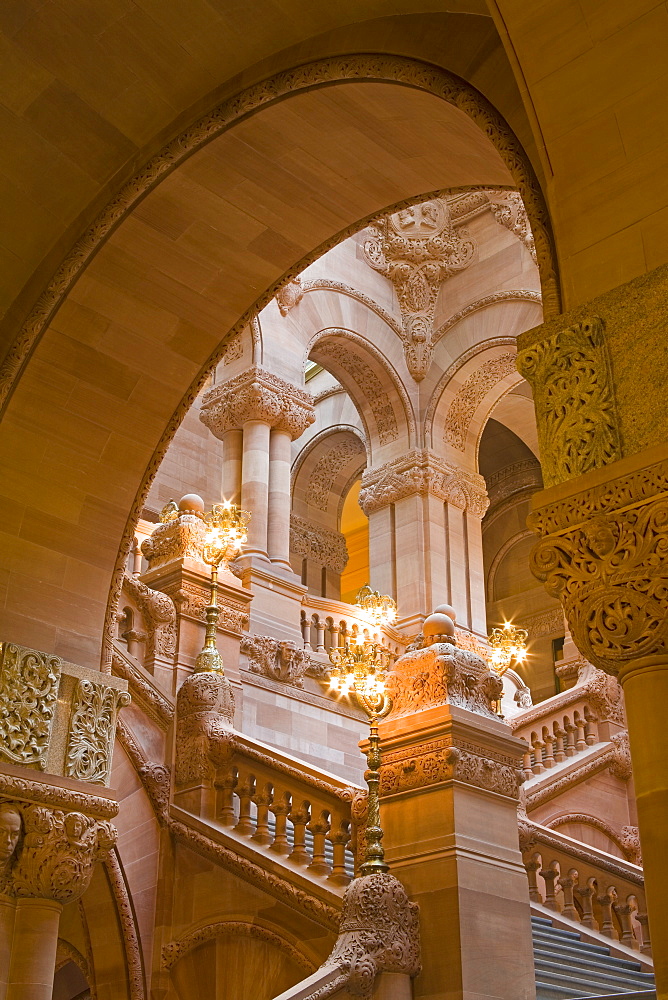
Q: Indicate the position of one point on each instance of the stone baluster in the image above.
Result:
(560, 744)
(571, 731)
(532, 868)
(580, 742)
(262, 802)
(306, 631)
(646, 944)
(136, 558)
(591, 728)
(538, 747)
(550, 876)
(334, 633)
(245, 792)
(339, 841)
(527, 768)
(548, 755)
(281, 810)
(299, 819)
(567, 884)
(319, 828)
(606, 901)
(225, 789)
(586, 894)
(624, 912)
(320, 634)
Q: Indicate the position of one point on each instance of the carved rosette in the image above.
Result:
(204, 720)
(57, 853)
(92, 730)
(609, 571)
(422, 472)
(257, 395)
(325, 547)
(379, 932)
(180, 538)
(571, 378)
(29, 681)
(275, 658)
(417, 248)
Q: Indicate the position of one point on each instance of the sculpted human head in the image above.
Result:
(10, 830)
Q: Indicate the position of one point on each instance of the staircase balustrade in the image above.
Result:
(328, 624)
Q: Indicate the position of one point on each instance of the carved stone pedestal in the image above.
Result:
(449, 789)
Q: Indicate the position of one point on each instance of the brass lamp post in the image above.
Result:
(225, 536)
(378, 608)
(508, 644)
(360, 669)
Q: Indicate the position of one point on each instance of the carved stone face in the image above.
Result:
(10, 831)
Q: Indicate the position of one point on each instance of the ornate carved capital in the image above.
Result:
(379, 932)
(570, 374)
(417, 248)
(54, 859)
(277, 659)
(257, 395)
(422, 472)
(204, 719)
(609, 570)
(325, 547)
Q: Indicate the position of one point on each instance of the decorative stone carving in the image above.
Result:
(508, 210)
(630, 841)
(233, 349)
(547, 623)
(129, 931)
(417, 248)
(469, 397)
(573, 393)
(443, 674)
(275, 658)
(92, 728)
(327, 284)
(172, 952)
(156, 706)
(257, 394)
(371, 387)
(422, 472)
(324, 547)
(620, 764)
(441, 760)
(515, 478)
(603, 692)
(11, 826)
(204, 719)
(181, 537)
(159, 616)
(56, 857)
(323, 476)
(29, 683)
(192, 601)
(379, 932)
(289, 295)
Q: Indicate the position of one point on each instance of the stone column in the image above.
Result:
(232, 458)
(34, 945)
(255, 484)
(278, 529)
(425, 536)
(449, 790)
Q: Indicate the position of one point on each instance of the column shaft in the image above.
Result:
(232, 462)
(255, 484)
(7, 910)
(34, 946)
(278, 522)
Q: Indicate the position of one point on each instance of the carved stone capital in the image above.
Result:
(325, 547)
(422, 472)
(609, 569)
(443, 674)
(56, 852)
(204, 719)
(379, 932)
(257, 395)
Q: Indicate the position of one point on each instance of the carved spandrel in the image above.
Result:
(92, 729)
(29, 681)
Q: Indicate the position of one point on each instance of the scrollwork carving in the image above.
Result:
(159, 614)
(468, 398)
(92, 728)
(29, 681)
(509, 211)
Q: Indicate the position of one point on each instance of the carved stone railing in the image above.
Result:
(585, 885)
(326, 624)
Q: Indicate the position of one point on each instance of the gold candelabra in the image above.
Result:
(377, 608)
(508, 644)
(360, 669)
(225, 537)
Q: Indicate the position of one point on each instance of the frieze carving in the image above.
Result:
(159, 615)
(422, 472)
(29, 681)
(379, 932)
(417, 248)
(368, 382)
(275, 658)
(53, 795)
(323, 546)
(446, 760)
(181, 537)
(57, 853)
(443, 674)
(175, 950)
(469, 397)
(192, 601)
(204, 720)
(323, 476)
(289, 295)
(573, 393)
(92, 728)
(257, 394)
(509, 211)
(546, 623)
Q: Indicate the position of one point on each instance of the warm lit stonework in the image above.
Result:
(302, 303)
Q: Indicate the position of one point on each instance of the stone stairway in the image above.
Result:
(568, 968)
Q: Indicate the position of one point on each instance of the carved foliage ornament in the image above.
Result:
(509, 211)
(422, 472)
(325, 547)
(370, 386)
(159, 615)
(572, 385)
(92, 729)
(204, 718)
(320, 490)
(440, 761)
(443, 674)
(29, 683)
(257, 395)
(417, 248)
(463, 407)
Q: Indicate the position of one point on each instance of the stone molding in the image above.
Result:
(417, 248)
(257, 394)
(628, 840)
(57, 796)
(449, 759)
(90, 742)
(513, 479)
(504, 295)
(329, 285)
(193, 599)
(471, 394)
(443, 674)
(130, 934)
(379, 932)
(534, 834)
(175, 950)
(278, 659)
(322, 545)
(422, 472)
(56, 853)
(157, 706)
(29, 683)
(156, 778)
(159, 616)
(571, 377)
(509, 211)
(616, 758)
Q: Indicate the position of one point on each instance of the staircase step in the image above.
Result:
(606, 977)
(575, 956)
